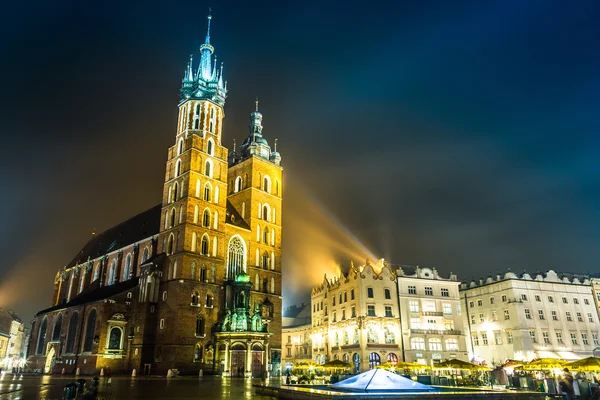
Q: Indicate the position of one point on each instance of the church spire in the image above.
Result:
(206, 51)
(207, 39)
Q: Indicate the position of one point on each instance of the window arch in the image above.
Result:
(392, 358)
(170, 244)
(374, 360)
(195, 299)
(204, 245)
(183, 119)
(207, 191)
(266, 212)
(238, 184)
(127, 271)
(212, 120)
(272, 237)
(72, 332)
(90, 328)
(198, 353)
(194, 244)
(216, 220)
(177, 168)
(193, 268)
(258, 233)
(256, 282)
(57, 328)
(214, 246)
(112, 272)
(199, 326)
(172, 219)
(272, 285)
(208, 168)
(267, 184)
(145, 254)
(277, 188)
(41, 347)
(180, 147)
(206, 218)
(417, 343)
(272, 261)
(115, 338)
(210, 147)
(82, 280)
(198, 187)
(216, 200)
(265, 260)
(236, 256)
(213, 273)
(266, 236)
(389, 336)
(196, 213)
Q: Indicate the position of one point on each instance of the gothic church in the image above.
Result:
(193, 283)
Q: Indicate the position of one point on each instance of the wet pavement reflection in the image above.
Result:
(36, 387)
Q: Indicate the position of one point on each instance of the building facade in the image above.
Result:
(431, 316)
(12, 329)
(355, 318)
(296, 335)
(522, 317)
(193, 283)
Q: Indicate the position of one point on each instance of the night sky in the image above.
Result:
(461, 135)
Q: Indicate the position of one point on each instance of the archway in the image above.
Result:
(50, 359)
(238, 360)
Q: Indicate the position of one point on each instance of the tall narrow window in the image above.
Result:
(196, 214)
(114, 338)
(177, 168)
(112, 273)
(212, 120)
(72, 332)
(208, 169)
(127, 267)
(41, 347)
(57, 328)
(207, 190)
(206, 219)
(90, 328)
(193, 274)
(236, 257)
(210, 147)
(194, 239)
(216, 220)
(238, 184)
(205, 245)
(199, 326)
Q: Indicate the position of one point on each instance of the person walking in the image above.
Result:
(566, 385)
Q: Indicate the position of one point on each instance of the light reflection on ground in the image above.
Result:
(36, 387)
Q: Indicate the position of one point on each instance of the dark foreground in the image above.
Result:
(38, 387)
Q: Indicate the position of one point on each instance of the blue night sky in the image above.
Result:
(455, 134)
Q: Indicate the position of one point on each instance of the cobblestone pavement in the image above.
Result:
(36, 387)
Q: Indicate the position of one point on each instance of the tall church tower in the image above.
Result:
(219, 301)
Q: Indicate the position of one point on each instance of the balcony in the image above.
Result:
(383, 345)
(435, 332)
(351, 346)
(432, 313)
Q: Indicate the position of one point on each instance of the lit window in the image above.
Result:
(428, 291)
(413, 306)
(388, 294)
(509, 337)
(417, 343)
(370, 293)
(498, 337)
(506, 315)
(546, 337)
(527, 313)
(447, 308)
(445, 292)
(541, 314)
(484, 338)
(371, 310)
(559, 338)
(532, 336)
(412, 289)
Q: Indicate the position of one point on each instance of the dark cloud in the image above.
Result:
(456, 134)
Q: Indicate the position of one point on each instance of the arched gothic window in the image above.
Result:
(180, 147)
(196, 214)
(216, 220)
(202, 273)
(236, 257)
(193, 275)
(112, 273)
(199, 326)
(194, 240)
(198, 353)
(145, 255)
(238, 184)
(195, 298)
(72, 332)
(170, 244)
(57, 328)
(206, 219)
(208, 169)
(207, 190)
(267, 184)
(374, 360)
(210, 147)
(127, 267)
(265, 260)
(41, 347)
(173, 213)
(212, 120)
(177, 168)
(90, 328)
(204, 245)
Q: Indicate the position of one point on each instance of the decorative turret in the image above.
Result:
(207, 83)
(255, 143)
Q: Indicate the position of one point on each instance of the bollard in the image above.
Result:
(169, 373)
(70, 391)
(78, 372)
(201, 373)
(62, 372)
(102, 372)
(133, 373)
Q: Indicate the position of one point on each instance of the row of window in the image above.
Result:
(431, 324)
(504, 298)
(90, 328)
(209, 170)
(184, 120)
(568, 316)
(413, 307)
(240, 184)
(428, 291)
(481, 338)
(435, 344)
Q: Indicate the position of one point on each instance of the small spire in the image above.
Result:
(234, 145)
(207, 40)
(214, 70)
(256, 103)
(275, 144)
(221, 76)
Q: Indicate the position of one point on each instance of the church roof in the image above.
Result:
(95, 295)
(136, 228)
(233, 217)
(4, 333)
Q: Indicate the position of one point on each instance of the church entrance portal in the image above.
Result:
(257, 364)
(50, 359)
(238, 363)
